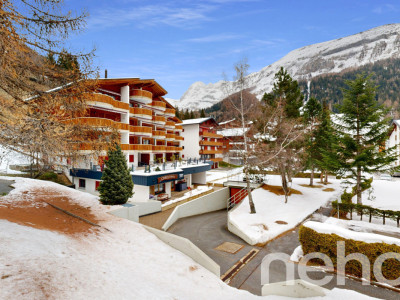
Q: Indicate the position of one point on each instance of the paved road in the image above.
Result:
(5, 187)
(209, 230)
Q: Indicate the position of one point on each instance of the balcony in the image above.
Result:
(100, 122)
(170, 112)
(160, 120)
(170, 137)
(158, 134)
(178, 128)
(210, 143)
(210, 151)
(173, 149)
(141, 113)
(137, 147)
(210, 134)
(140, 130)
(159, 148)
(105, 101)
(179, 138)
(217, 159)
(159, 105)
(170, 125)
(141, 96)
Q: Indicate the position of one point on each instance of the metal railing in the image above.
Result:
(236, 199)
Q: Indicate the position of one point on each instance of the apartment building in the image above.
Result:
(150, 134)
(201, 140)
(394, 140)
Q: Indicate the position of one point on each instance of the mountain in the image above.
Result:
(304, 64)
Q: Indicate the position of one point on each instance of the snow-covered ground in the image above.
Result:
(8, 157)
(217, 175)
(200, 189)
(126, 262)
(383, 194)
(262, 227)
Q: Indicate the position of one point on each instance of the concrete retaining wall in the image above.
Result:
(232, 227)
(187, 247)
(211, 202)
(148, 207)
(129, 211)
(293, 288)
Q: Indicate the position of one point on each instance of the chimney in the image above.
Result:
(105, 73)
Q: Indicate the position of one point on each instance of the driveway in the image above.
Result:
(209, 230)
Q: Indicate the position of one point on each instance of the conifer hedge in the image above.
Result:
(312, 241)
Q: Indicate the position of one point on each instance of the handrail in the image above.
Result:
(241, 194)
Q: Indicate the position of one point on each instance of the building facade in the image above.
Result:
(394, 139)
(201, 140)
(150, 138)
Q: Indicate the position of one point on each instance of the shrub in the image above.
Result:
(346, 197)
(50, 176)
(312, 241)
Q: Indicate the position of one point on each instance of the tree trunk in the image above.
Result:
(251, 203)
(312, 175)
(284, 186)
(326, 177)
(359, 200)
(321, 177)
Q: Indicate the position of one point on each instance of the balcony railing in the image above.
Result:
(141, 96)
(159, 120)
(136, 147)
(170, 124)
(159, 105)
(170, 137)
(141, 112)
(158, 134)
(170, 112)
(217, 159)
(178, 128)
(210, 143)
(159, 148)
(140, 130)
(179, 138)
(210, 151)
(210, 134)
(100, 122)
(97, 97)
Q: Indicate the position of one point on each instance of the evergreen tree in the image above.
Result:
(116, 186)
(363, 129)
(288, 89)
(312, 113)
(67, 61)
(177, 112)
(326, 143)
(202, 113)
(192, 116)
(186, 115)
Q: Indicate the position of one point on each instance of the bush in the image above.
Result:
(346, 197)
(312, 241)
(50, 176)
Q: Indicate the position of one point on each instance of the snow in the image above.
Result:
(200, 189)
(219, 176)
(232, 132)
(304, 63)
(297, 254)
(366, 237)
(383, 194)
(9, 157)
(195, 121)
(261, 227)
(363, 226)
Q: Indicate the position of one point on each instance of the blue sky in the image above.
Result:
(180, 42)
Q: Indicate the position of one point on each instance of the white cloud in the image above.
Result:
(215, 38)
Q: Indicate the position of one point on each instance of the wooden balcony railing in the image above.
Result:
(170, 112)
(159, 119)
(159, 134)
(178, 128)
(170, 124)
(159, 105)
(179, 138)
(210, 151)
(136, 147)
(141, 93)
(141, 112)
(97, 97)
(170, 136)
(141, 130)
(217, 159)
(210, 143)
(99, 122)
(159, 148)
(210, 134)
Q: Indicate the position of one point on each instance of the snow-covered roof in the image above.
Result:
(226, 122)
(196, 121)
(232, 131)
(397, 122)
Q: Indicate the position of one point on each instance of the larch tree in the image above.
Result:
(311, 114)
(116, 185)
(281, 130)
(34, 120)
(363, 129)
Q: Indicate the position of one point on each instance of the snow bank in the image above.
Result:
(353, 235)
(262, 227)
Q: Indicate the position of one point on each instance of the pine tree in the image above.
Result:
(192, 116)
(116, 186)
(326, 143)
(312, 113)
(186, 115)
(202, 113)
(363, 130)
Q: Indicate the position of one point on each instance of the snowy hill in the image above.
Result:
(334, 56)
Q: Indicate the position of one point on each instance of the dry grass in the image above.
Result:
(315, 186)
(281, 222)
(277, 190)
(328, 190)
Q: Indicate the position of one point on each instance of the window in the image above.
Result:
(183, 155)
(131, 158)
(159, 188)
(183, 147)
(82, 183)
(97, 184)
